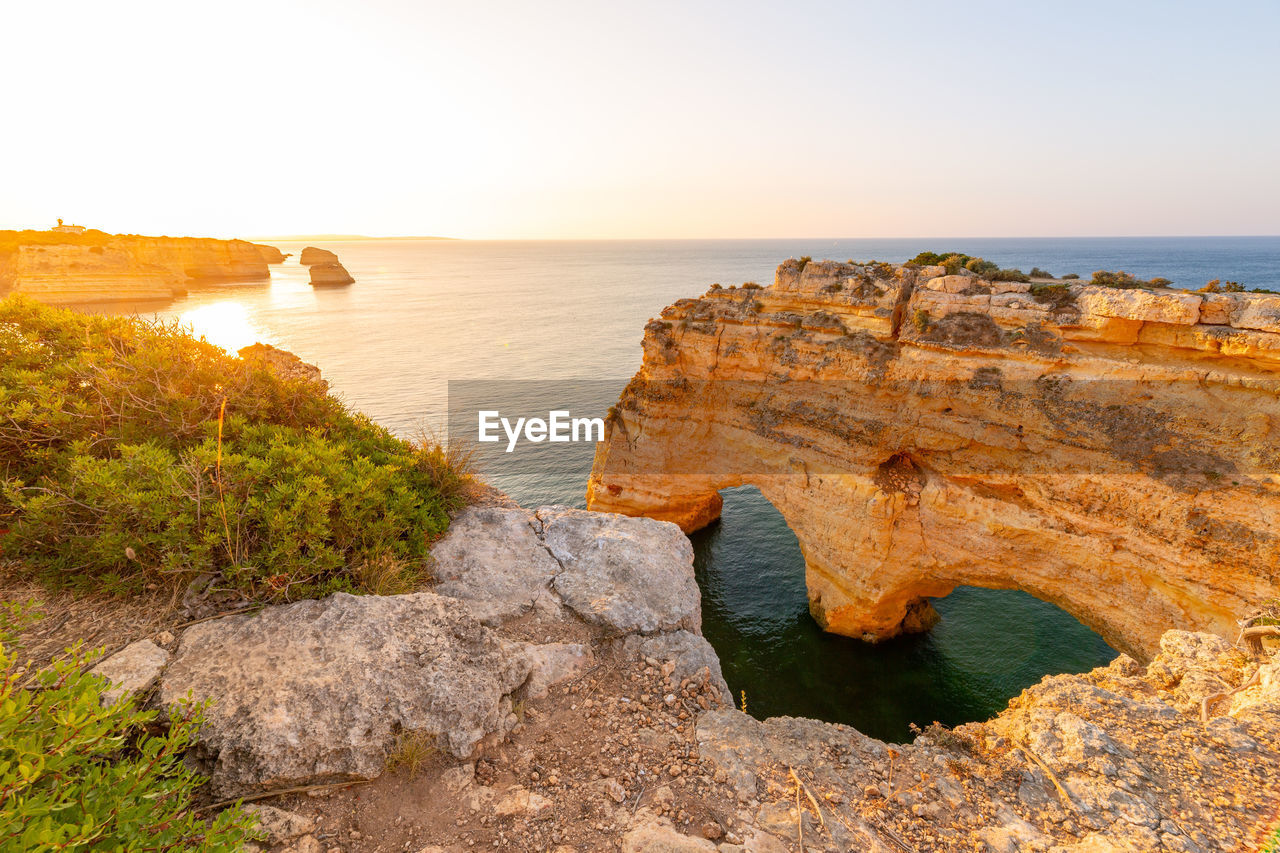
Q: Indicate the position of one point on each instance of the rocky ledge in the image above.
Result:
(1115, 452)
(561, 698)
(97, 267)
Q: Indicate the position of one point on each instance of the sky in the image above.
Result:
(565, 120)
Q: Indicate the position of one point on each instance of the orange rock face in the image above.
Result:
(1115, 452)
(125, 267)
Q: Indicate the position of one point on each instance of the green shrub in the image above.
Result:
(1036, 272)
(1071, 276)
(804, 261)
(1219, 286)
(75, 775)
(1124, 281)
(1057, 296)
(750, 285)
(954, 262)
(982, 267)
(136, 454)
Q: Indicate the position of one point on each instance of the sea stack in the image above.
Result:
(312, 255)
(329, 273)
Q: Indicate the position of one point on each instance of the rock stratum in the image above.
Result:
(97, 267)
(1113, 451)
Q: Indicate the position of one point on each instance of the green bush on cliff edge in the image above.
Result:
(133, 455)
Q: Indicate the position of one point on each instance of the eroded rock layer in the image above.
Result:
(98, 267)
(1115, 452)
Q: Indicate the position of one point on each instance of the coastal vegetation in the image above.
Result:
(953, 262)
(139, 457)
(1122, 280)
(1219, 286)
(81, 773)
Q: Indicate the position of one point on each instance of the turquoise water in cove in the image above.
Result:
(425, 313)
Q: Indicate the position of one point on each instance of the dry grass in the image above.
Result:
(99, 620)
(451, 465)
(412, 751)
(387, 574)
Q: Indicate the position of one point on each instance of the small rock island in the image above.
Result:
(326, 270)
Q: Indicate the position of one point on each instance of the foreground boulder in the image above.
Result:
(330, 273)
(630, 574)
(493, 559)
(320, 690)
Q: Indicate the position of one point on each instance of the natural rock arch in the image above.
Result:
(1118, 459)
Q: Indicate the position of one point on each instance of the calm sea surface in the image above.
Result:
(424, 313)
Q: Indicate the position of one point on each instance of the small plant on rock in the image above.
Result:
(75, 775)
(412, 750)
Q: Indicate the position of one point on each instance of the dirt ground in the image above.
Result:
(572, 776)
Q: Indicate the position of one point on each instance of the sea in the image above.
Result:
(425, 316)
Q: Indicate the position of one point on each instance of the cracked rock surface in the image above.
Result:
(319, 690)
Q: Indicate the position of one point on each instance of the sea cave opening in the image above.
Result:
(989, 645)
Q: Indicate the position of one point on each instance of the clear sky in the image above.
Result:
(607, 119)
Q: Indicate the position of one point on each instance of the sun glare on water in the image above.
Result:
(224, 324)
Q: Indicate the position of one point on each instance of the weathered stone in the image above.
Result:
(950, 283)
(661, 838)
(279, 825)
(318, 690)
(1010, 287)
(305, 844)
(1182, 309)
(628, 574)
(520, 801)
(1217, 308)
(552, 663)
(1257, 312)
(132, 670)
(690, 653)
(492, 558)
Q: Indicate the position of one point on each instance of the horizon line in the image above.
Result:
(354, 238)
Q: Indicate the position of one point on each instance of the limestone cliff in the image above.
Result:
(1115, 452)
(98, 267)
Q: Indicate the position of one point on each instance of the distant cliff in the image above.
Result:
(98, 267)
(1114, 451)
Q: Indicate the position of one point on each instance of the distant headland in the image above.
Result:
(340, 238)
(73, 264)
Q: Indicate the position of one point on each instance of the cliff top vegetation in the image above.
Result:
(135, 456)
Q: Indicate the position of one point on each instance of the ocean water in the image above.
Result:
(424, 314)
